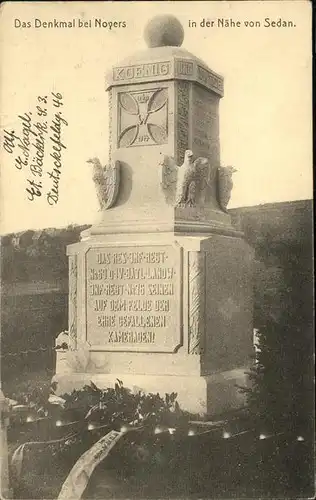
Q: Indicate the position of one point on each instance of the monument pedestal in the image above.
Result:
(206, 396)
(162, 313)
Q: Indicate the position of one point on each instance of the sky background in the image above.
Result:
(265, 115)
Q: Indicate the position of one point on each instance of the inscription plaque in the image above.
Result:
(141, 71)
(133, 298)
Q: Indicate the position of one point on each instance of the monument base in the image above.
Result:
(163, 313)
(206, 396)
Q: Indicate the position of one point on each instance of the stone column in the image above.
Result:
(196, 306)
(72, 302)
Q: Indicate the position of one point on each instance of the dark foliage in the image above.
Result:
(118, 406)
(92, 407)
(283, 392)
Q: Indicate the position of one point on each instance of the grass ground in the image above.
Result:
(26, 381)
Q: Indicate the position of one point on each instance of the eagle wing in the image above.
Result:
(202, 169)
(111, 184)
(107, 182)
(224, 186)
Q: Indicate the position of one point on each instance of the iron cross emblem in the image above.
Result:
(142, 118)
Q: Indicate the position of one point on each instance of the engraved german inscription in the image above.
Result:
(152, 70)
(210, 80)
(205, 123)
(132, 298)
(184, 68)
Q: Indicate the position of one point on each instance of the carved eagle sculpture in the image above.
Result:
(192, 179)
(224, 185)
(184, 178)
(184, 184)
(107, 182)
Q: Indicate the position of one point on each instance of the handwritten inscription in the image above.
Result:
(57, 146)
(38, 134)
(133, 298)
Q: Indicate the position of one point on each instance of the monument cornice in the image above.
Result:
(164, 69)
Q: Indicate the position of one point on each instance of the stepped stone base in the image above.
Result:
(209, 395)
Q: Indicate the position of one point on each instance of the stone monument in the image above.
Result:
(160, 287)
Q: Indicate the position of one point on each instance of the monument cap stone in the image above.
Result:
(164, 60)
(165, 30)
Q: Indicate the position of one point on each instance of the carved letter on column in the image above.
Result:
(73, 301)
(196, 302)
